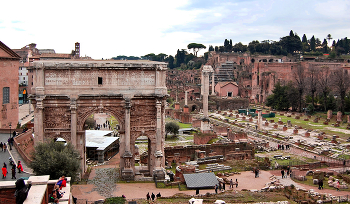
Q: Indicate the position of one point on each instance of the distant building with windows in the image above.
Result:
(23, 76)
(226, 89)
(9, 66)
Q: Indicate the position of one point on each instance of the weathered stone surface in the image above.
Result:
(134, 92)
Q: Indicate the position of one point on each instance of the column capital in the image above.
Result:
(39, 104)
(127, 103)
(73, 105)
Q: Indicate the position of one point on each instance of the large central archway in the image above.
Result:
(66, 93)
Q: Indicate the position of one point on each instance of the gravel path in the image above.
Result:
(104, 181)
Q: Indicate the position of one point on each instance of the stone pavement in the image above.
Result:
(4, 158)
(17, 157)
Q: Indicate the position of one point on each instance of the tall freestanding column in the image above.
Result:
(207, 69)
(212, 84)
(259, 119)
(185, 98)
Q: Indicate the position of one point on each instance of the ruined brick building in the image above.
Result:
(255, 75)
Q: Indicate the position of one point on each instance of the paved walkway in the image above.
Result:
(4, 158)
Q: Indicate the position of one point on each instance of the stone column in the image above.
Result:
(38, 122)
(212, 84)
(259, 119)
(159, 125)
(127, 172)
(205, 94)
(127, 125)
(205, 87)
(185, 98)
(73, 123)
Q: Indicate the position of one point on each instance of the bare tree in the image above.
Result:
(299, 80)
(340, 83)
(324, 84)
(312, 78)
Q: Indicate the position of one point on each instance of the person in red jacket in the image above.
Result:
(62, 182)
(19, 167)
(4, 171)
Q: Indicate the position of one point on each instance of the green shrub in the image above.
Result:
(115, 200)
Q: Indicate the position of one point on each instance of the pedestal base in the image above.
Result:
(205, 125)
(128, 174)
(159, 173)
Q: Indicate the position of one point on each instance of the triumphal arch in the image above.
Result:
(66, 93)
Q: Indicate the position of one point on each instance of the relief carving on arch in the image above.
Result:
(143, 116)
(57, 118)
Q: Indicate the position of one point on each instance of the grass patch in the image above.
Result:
(183, 125)
(171, 138)
(316, 126)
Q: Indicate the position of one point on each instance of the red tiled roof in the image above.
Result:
(224, 83)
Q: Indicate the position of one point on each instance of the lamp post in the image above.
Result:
(10, 137)
(10, 129)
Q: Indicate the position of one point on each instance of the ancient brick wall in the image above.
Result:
(196, 123)
(185, 118)
(219, 149)
(220, 130)
(7, 195)
(199, 139)
(237, 135)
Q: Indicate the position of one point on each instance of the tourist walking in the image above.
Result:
(282, 172)
(216, 188)
(231, 184)
(148, 196)
(5, 147)
(4, 172)
(13, 171)
(338, 185)
(2, 146)
(236, 183)
(320, 184)
(153, 196)
(19, 167)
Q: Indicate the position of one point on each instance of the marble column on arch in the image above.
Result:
(73, 125)
(38, 121)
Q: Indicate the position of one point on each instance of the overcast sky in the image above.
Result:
(109, 28)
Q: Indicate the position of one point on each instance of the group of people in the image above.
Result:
(57, 192)
(13, 169)
(222, 185)
(286, 173)
(152, 196)
(3, 146)
(283, 147)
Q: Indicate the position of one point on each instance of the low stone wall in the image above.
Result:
(210, 150)
(199, 139)
(24, 143)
